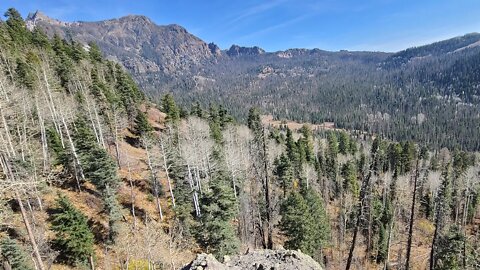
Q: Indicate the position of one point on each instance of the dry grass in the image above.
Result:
(269, 121)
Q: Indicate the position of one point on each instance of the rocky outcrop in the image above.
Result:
(236, 50)
(214, 49)
(257, 260)
(135, 41)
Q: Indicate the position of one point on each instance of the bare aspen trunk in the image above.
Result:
(100, 131)
(8, 65)
(5, 144)
(132, 196)
(92, 264)
(22, 152)
(7, 133)
(6, 265)
(155, 183)
(74, 152)
(195, 195)
(165, 167)
(9, 175)
(51, 106)
(234, 184)
(389, 240)
(4, 91)
(115, 136)
(43, 137)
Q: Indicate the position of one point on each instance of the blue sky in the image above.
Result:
(378, 25)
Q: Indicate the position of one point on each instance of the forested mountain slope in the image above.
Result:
(94, 176)
(429, 94)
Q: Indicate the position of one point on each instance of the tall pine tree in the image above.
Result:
(73, 238)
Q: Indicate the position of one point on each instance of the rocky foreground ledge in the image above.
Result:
(256, 260)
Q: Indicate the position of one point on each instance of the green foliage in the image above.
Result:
(64, 67)
(350, 182)
(333, 145)
(60, 155)
(450, 249)
(24, 74)
(292, 150)
(216, 233)
(343, 143)
(16, 27)
(305, 222)
(215, 123)
(306, 143)
(142, 126)
(73, 238)
(170, 108)
(197, 110)
(94, 52)
(254, 122)
(100, 169)
(407, 157)
(331, 161)
(128, 92)
(12, 253)
(283, 170)
(382, 244)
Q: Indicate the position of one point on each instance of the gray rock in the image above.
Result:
(257, 260)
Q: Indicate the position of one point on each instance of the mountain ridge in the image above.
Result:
(378, 92)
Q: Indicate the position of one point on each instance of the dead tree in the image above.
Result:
(412, 216)
(361, 202)
(10, 176)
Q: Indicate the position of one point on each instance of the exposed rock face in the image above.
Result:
(214, 49)
(236, 50)
(257, 260)
(135, 41)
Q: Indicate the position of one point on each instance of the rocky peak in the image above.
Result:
(38, 16)
(177, 28)
(135, 19)
(134, 40)
(236, 50)
(214, 49)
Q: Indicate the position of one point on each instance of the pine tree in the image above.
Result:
(292, 151)
(305, 222)
(16, 27)
(11, 254)
(293, 222)
(284, 172)
(142, 126)
(216, 233)
(255, 124)
(215, 124)
(343, 143)
(99, 167)
(170, 108)
(449, 250)
(24, 74)
(94, 52)
(443, 201)
(73, 238)
(382, 244)
(307, 143)
(349, 175)
(318, 221)
(60, 155)
(128, 92)
(331, 162)
(197, 110)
